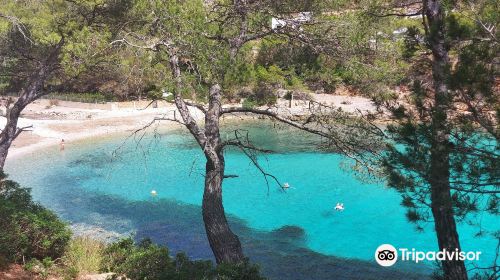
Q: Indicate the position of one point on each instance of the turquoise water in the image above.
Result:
(293, 235)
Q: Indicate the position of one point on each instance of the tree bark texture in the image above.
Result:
(441, 200)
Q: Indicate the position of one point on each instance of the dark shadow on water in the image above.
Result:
(279, 253)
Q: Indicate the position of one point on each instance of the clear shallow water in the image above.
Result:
(293, 235)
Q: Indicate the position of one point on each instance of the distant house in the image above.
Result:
(277, 23)
(291, 20)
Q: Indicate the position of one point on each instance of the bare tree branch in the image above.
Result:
(347, 149)
(22, 129)
(188, 119)
(18, 26)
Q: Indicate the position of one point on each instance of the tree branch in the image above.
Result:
(188, 119)
(17, 25)
(20, 130)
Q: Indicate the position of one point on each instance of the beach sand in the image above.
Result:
(53, 121)
(51, 124)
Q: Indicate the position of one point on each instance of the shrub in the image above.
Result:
(242, 271)
(83, 256)
(28, 229)
(41, 268)
(148, 261)
(249, 103)
(263, 95)
(145, 261)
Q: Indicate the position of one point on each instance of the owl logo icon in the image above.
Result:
(386, 255)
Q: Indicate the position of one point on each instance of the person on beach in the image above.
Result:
(61, 145)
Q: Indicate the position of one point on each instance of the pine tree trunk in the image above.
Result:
(442, 207)
(10, 131)
(224, 243)
(441, 201)
(32, 91)
(6, 138)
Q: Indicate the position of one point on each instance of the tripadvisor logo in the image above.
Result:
(387, 255)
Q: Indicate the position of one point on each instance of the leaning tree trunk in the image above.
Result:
(224, 243)
(9, 132)
(31, 92)
(441, 201)
(28, 95)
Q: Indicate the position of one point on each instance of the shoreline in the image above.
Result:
(51, 125)
(51, 121)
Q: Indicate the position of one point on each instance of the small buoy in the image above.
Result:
(154, 193)
(286, 186)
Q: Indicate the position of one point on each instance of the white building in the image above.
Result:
(293, 21)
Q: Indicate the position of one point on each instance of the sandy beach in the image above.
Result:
(51, 121)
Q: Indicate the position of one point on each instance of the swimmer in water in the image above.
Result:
(154, 193)
(339, 206)
(61, 145)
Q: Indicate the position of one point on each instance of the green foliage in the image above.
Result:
(262, 95)
(82, 256)
(147, 261)
(295, 67)
(28, 229)
(249, 103)
(411, 42)
(241, 271)
(87, 62)
(473, 134)
(459, 27)
(42, 268)
(128, 73)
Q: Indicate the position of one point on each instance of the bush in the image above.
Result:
(146, 261)
(83, 256)
(249, 104)
(42, 268)
(241, 271)
(28, 229)
(152, 262)
(262, 95)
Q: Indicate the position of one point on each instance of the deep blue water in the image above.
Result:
(292, 235)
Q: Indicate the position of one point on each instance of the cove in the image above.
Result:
(292, 235)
